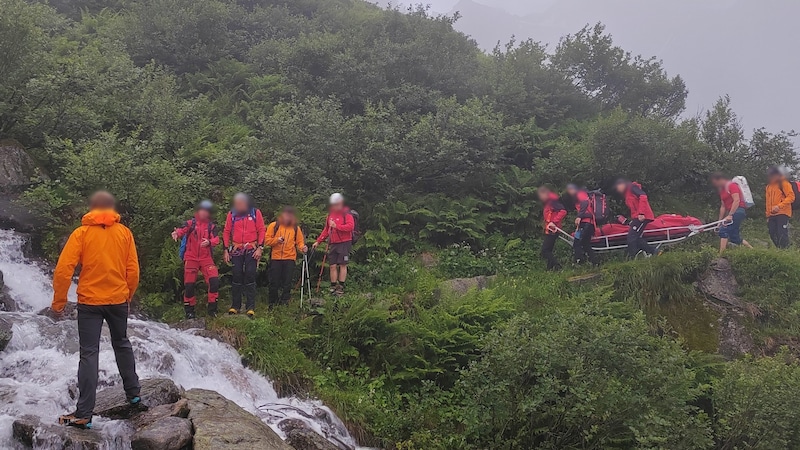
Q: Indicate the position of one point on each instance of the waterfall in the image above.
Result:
(38, 369)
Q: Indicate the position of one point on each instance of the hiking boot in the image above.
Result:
(71, 421)
(189, 311)
(251, 314)
(232, 312)
(136, 403)
(332, 290)
(212, 309)
(339, 291)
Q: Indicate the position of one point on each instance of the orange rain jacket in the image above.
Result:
(780, 195)
(106, 252)
(293, 240)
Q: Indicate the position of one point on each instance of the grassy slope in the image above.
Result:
(361, 353)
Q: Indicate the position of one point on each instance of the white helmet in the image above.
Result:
(336, 198)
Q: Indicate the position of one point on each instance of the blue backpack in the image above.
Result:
(182, 248)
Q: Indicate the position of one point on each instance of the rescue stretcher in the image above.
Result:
(667, 229)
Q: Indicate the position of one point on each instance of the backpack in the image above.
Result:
(356, 230)
(182, 248)
(747, 195)
(599, 205)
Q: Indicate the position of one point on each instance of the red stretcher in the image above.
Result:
(667, 229)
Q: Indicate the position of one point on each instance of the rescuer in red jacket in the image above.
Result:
(554, 214)
(641, 215)
(244, 245)
(339, 227)
(201, 237)
(585, 226)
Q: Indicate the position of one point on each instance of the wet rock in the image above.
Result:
(287, 425)
(461, 286)
(221, 424)
(30, 432)
(152, 415)
(169, 433)
(5, 333)
(7, 302)
(719, 283)
(303, 438)
(316, 302)
(734, 338)
(190, 324)
(70, 313)
(112, 404)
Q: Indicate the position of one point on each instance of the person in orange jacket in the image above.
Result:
(109, 276)
(284, 237)
(780, 197)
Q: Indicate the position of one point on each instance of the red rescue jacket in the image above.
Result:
(195, 231)
(246, 230)
(584, 207)
(345, 224)
(637, 202)
(554, 212)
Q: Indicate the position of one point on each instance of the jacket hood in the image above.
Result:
(100, 217)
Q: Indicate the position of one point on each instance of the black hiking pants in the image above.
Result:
(636, 241)
(90, 324)
(244, 280)
(779, 230)
(548, 244)
(281, 275)
(582, 248)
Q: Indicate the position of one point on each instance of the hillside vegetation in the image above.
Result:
(440, 146)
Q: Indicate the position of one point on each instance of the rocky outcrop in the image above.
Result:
(220, 424)
(112, 404)
(5, 333)
(461, 286)
(169, 433)
(719, 284)
(32, 433)
(70, 312)
(16, 166)
(7, 303)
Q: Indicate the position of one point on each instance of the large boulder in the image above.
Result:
(168, 433)
(156, 413)
(220, 424)
(301, 437)
(112, 403)
(32, 433)
(5, 333)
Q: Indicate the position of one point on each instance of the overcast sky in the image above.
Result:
(745, 48)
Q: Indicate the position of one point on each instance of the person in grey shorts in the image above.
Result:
(339, 227)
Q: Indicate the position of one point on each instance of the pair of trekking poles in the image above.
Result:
(305, 277)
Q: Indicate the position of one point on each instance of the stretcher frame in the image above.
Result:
(666, 236)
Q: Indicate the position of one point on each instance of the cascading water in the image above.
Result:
(38, 368)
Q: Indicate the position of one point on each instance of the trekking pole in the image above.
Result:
(322, 267)
(303, 279)
(308, 281)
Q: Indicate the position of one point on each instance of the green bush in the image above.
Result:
(581, 379)
(756, 404)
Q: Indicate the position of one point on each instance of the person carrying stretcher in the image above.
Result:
(585, 226)
(641, 215)
(554, 214)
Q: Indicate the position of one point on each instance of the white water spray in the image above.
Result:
(39, 366)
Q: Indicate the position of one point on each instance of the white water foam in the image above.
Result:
(39, 366)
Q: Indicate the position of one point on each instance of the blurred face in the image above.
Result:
(774, 178)
(336, 207)
(203, 214)
(572, 191)
(286, 218)
(718, 183)
(240, 204)
(543, 196)
(621, 188)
